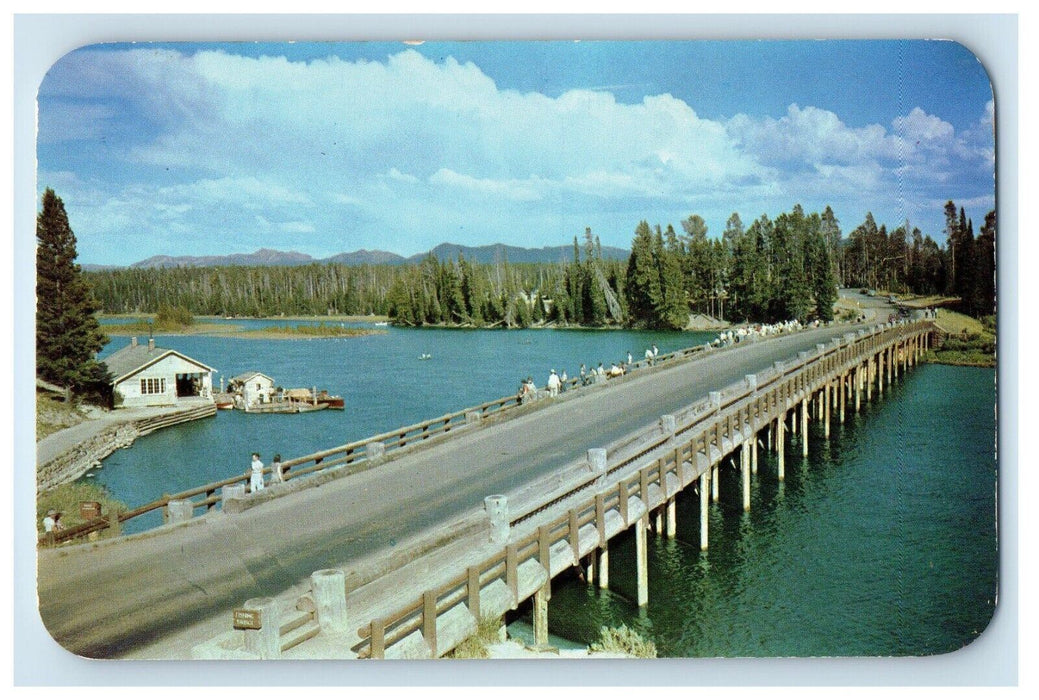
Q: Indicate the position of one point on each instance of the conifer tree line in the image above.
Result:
(905, 260)
(772, 270)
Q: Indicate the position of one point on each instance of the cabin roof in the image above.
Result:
(132, 359)
(246, 376)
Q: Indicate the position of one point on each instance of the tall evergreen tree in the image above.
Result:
(985, 267)
(642, 283)
(68, 335)
(671, 310)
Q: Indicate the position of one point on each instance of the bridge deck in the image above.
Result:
(108, 598)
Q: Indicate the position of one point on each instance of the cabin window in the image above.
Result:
(153, 385)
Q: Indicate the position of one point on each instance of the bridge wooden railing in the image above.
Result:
(706, 430)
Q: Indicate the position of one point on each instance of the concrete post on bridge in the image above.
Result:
(497, 509)
(668, 425)
(179, 510)
(328, 587)
(597, 463)
(231, 492)
(375, 452)
(264, 641)
(780, 425)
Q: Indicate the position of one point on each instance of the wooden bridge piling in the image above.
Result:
(642, 560)
(703, 511)
(804, 427)
(826, 408)
(745, 466)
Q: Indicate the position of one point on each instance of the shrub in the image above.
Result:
(624, 640)
(173, 317)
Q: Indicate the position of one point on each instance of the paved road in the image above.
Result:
(104, 600)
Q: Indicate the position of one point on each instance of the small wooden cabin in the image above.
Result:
(146, 375)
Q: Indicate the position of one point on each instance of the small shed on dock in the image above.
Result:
(254, 387)
(146, 375)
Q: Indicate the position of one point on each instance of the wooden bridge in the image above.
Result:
(420, 597)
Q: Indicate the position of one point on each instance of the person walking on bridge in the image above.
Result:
(553, 384)
(256, 475)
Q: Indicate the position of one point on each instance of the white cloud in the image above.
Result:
(429, 150)
(921, 127)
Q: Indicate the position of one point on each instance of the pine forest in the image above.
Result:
(772, 269)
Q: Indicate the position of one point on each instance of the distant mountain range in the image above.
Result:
(497, 252)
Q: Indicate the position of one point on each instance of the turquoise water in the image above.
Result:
(381, 378)
(882, 543)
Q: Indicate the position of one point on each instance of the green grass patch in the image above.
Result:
(970, 342)
(321, 330)
(66, 500)
(955, 323)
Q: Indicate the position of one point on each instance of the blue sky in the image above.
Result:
(204, 149)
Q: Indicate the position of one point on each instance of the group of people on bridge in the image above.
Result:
(559, 382)
(256, 467)
(759, 330)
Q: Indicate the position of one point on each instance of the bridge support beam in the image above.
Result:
(804, 427)
(641, 562)
(880, 374)
(703, 511)
(842, 400)
(826, 410)
(858, 388)
(754, 454)
(780, 423)
(541, 598)
(602, 565)
(716, 473)
(672, 518)
(745, 465)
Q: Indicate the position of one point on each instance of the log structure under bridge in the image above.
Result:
(428, 594)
